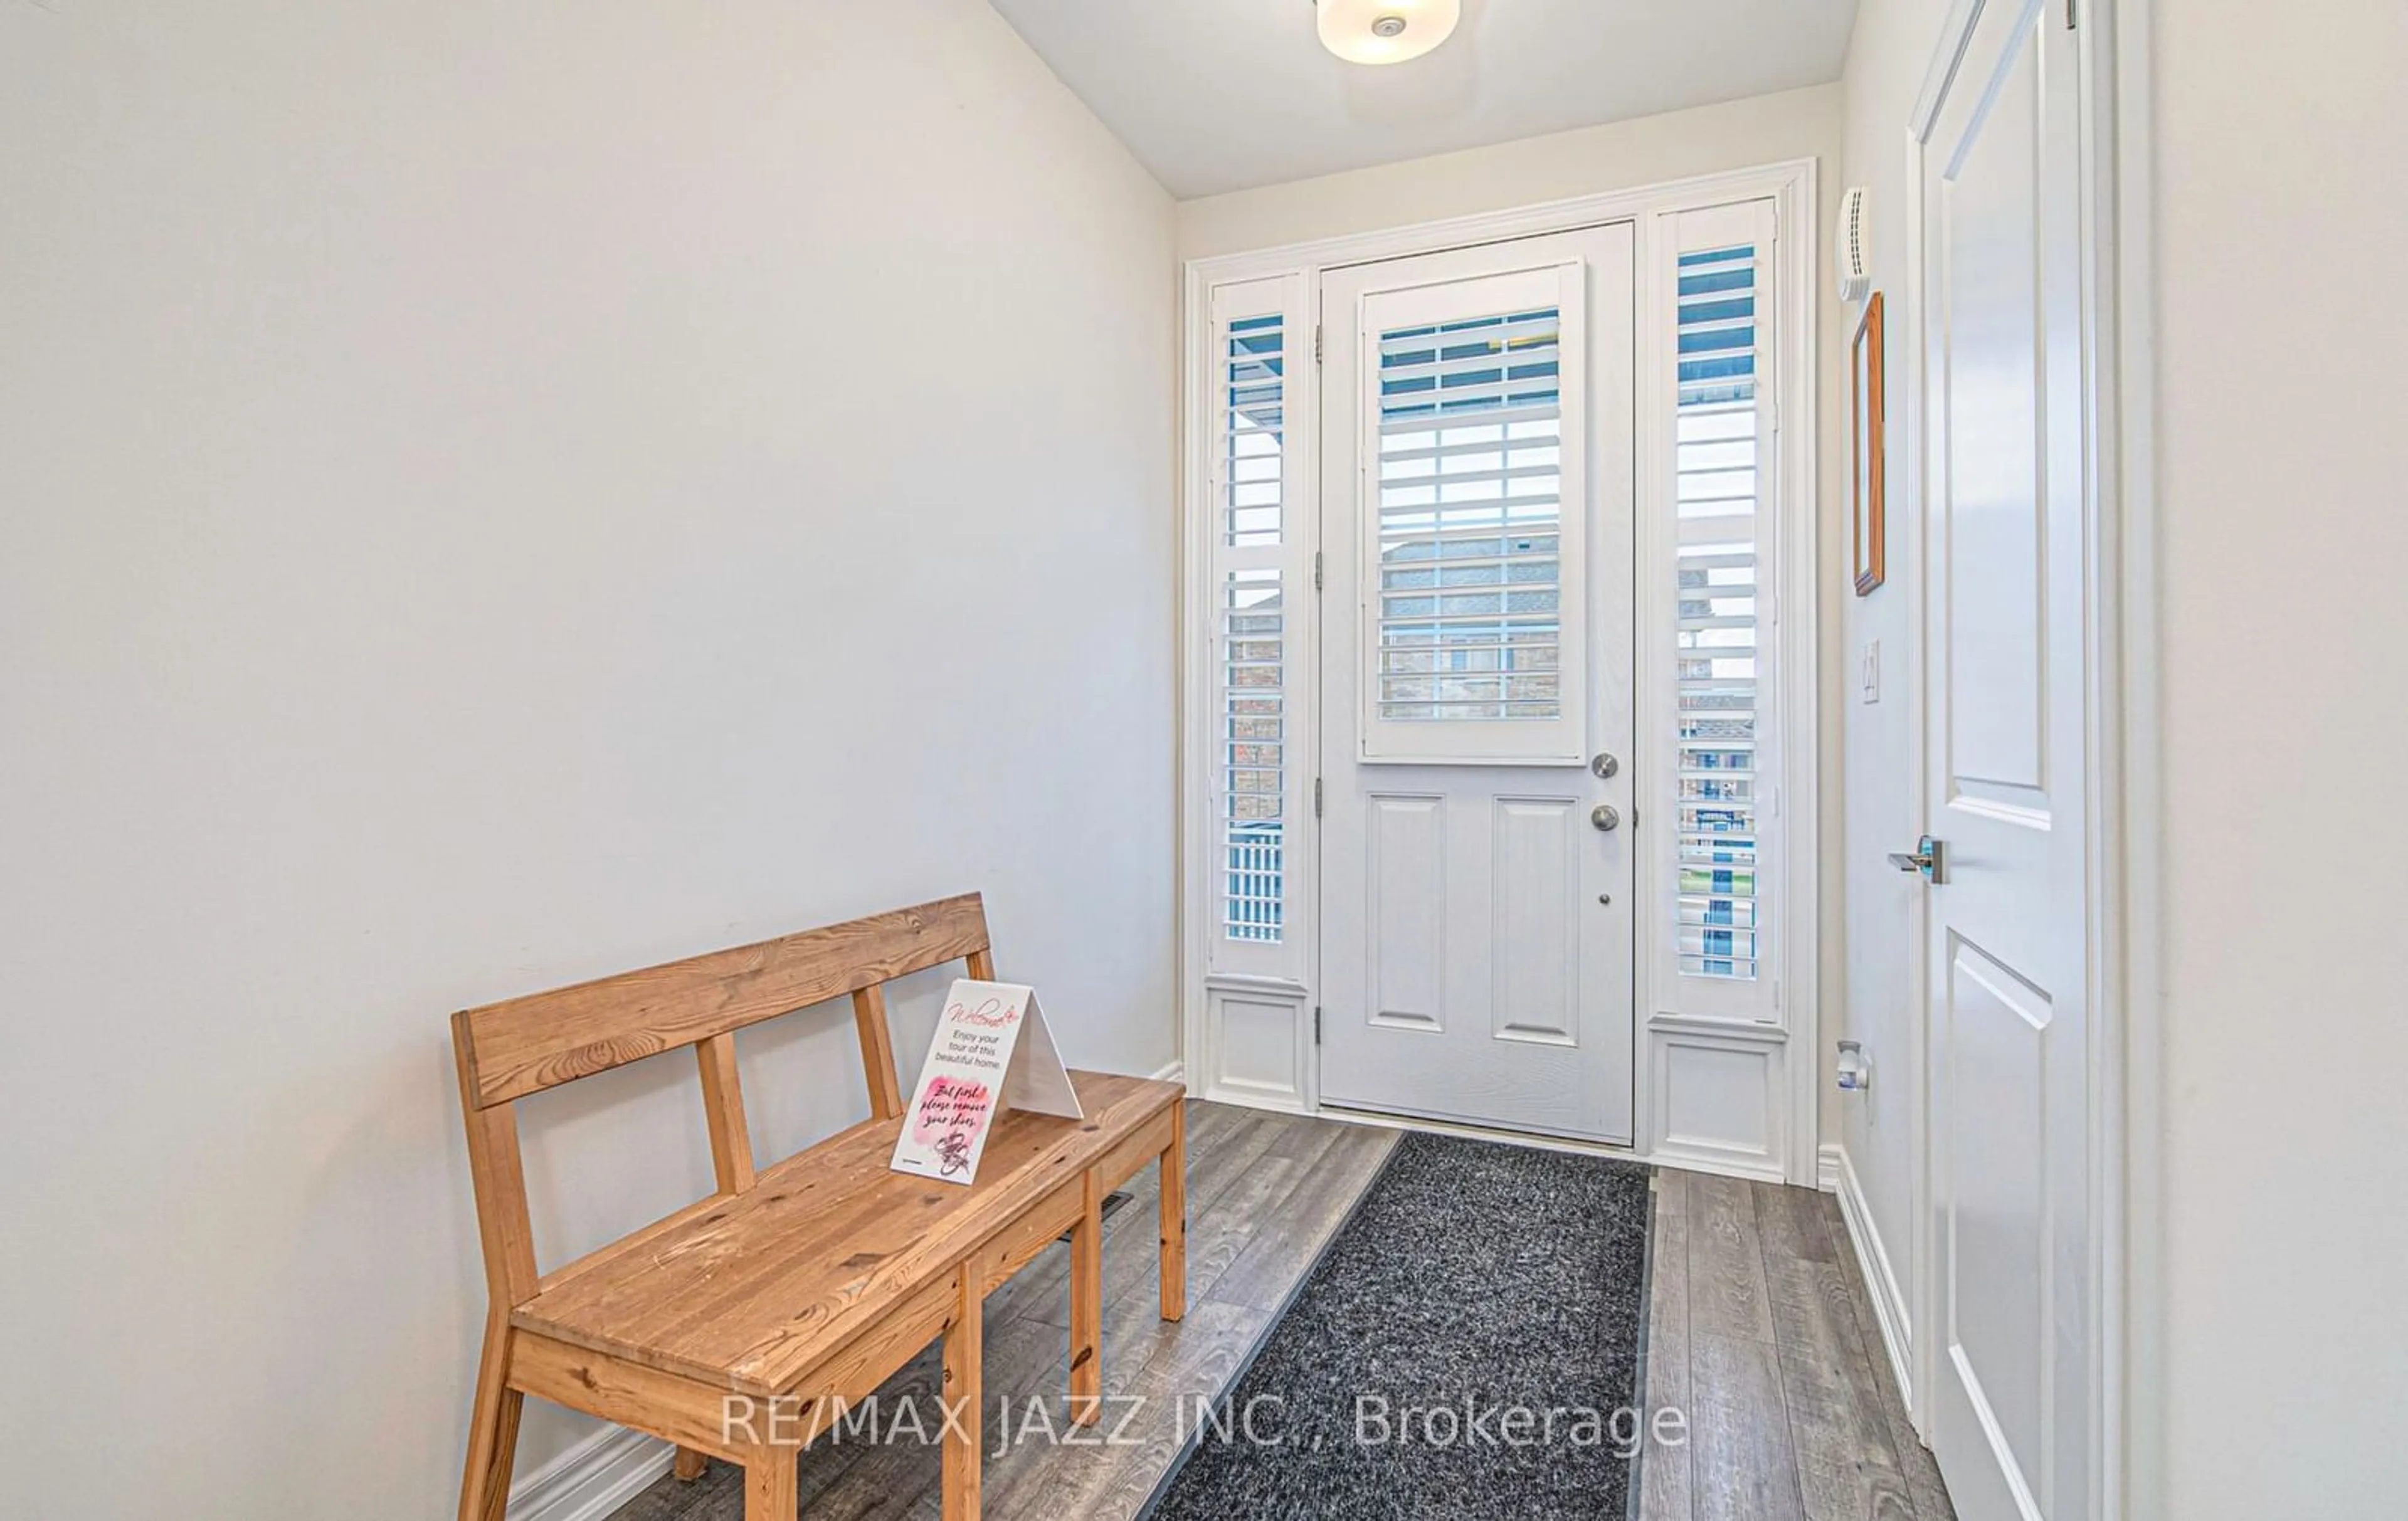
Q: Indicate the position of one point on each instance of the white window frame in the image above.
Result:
(1788, 1028)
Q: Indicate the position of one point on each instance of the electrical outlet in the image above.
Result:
(1872, 671)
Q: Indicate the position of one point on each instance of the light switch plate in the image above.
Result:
(1872, 671)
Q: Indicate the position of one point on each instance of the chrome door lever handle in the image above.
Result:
(1930, 858)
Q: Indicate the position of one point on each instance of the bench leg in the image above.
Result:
(1087, 1304)
(1174, 1217)
(689, 1465)
(963, 1393)
(772, 1490)
(493, 1428)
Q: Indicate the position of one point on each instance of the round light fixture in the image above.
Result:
(1385, 31)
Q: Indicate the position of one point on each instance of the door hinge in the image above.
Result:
(1316, 571)
(1316, 797)
(1316, 343)
(2071, 7)
(1772, 412)
(1316, 1024)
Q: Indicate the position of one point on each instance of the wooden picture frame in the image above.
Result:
(1865, 409)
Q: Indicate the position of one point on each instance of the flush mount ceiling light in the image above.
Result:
(1385, 31)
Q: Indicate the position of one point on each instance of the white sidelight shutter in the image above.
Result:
(1716, 849)
(1717, 476)
(1254, 424)
(1254, 755)
(1257, 630)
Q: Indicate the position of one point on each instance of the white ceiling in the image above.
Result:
(1224, 95)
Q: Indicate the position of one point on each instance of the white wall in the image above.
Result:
(490, 495)
(2283, 535)
(1760, 129)
(1886, 59)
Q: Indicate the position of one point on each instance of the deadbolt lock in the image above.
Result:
(1604, 765)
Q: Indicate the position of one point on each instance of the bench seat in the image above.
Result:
(743, 1324)
(753, 1293)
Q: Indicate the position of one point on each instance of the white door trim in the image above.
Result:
(2121, 678)
(1792, 186)
(2119, 166)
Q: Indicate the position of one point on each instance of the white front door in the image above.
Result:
(1476, 949)
(2012, 1311)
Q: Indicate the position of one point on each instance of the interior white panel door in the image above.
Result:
(2009, 1134)
(1476, 937)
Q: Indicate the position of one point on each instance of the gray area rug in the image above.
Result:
(1458, 1354)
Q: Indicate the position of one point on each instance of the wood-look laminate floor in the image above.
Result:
(1760, 1330)
(1264, 1194)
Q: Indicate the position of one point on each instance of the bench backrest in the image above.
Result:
(521, 1046)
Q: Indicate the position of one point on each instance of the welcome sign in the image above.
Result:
(992, 1050)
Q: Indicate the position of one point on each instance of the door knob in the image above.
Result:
(1604, 816)
(1930, 858)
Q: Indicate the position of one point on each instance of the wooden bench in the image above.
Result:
(742, 1326)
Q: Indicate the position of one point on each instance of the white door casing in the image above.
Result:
(1476, 952)
(1724, 1088)
(2008, 753)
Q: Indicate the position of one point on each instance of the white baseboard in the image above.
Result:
(1889, 1295)
(1717, 1166)
(592, 1478)
(1175, 1072)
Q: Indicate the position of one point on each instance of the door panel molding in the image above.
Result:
(1995, 1059)
(1405, 839)
(1534, 935)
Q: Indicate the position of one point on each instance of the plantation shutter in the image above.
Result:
(1472, 600)
(1256, 781)
(1720, 845)
(1714, 465)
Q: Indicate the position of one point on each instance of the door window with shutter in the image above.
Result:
(1471, 600)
